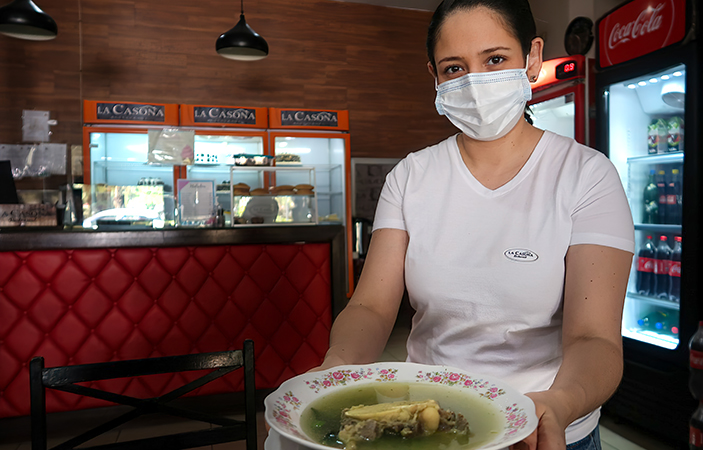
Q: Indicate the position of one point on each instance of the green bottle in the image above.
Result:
(651, 200)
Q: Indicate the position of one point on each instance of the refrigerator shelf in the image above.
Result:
(650, 337)
(664, 158)
(658, 228)
(654, 301)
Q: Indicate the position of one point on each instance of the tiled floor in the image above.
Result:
(614, 436)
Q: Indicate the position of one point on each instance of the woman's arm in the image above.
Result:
(594, 292)
(360, 332)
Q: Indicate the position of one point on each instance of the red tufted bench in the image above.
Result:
(94, 305)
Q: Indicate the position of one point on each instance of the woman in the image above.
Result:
(514, 243)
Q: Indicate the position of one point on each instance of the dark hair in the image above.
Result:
(516, 15)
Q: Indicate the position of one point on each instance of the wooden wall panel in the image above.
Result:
(367, 59)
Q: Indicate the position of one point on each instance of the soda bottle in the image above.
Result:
(662, 261)
(661, 200)
(695, 435)
(695, 359)
(651, 199)
(673, 195)
(645, 267)
(675, 272)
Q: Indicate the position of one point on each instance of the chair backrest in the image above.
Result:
(65, 378)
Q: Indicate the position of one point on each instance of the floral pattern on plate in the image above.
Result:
(484, 388)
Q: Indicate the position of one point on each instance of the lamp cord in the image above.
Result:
(242, 7)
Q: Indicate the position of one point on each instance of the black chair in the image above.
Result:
(65, 379)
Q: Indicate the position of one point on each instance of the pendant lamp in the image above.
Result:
(23, 19)
(242, 43)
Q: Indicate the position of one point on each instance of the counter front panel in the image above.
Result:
(87, 305)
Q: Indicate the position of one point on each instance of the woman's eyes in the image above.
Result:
(450, 70)
(493, 60)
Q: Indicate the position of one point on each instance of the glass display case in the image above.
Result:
(273, 196)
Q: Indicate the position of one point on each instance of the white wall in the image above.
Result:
(553, 17)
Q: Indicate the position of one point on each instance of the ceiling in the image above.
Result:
(425, 5)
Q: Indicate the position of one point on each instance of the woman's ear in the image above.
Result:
(536, 49)
(430, 68)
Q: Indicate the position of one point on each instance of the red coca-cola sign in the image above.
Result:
(638, 28)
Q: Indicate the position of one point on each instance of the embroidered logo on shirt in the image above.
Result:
(520, 255)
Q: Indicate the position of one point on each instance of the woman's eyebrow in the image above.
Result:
(450, 58)
(494, 49)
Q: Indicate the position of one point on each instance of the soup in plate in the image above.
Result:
(323, 418)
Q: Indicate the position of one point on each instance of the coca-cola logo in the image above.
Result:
(640, 27)
(648, 21)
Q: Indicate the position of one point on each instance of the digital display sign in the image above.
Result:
(567, 69)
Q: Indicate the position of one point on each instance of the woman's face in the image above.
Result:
(476, 40)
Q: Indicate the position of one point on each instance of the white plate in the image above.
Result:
(285, 405)
(274, 441)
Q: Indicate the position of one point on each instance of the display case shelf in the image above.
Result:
(658, 228)
(272, 209)
(658, 302)
(663, 158)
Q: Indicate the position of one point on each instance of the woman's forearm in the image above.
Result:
(361, 330)
(590, 373)
(358, 336)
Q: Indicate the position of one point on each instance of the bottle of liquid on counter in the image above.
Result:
(645, 267)
(650, 200)
(661, 190)
(662, 263)
(675, 272)
(695, 434)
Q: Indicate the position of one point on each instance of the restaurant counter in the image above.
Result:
(77, 297)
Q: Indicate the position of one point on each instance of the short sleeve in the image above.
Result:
(602, 214)
(389, 210)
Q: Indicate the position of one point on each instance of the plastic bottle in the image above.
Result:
(675, 272)
(662, 261)
(673, 202)
(661, 199)
(695, 350)
(695, 434)
(650, 199)
(645, 267)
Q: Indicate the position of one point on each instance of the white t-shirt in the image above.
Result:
(484, 268)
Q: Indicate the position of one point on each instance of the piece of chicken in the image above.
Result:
(406, 419)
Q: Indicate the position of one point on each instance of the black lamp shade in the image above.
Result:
(242, 43)
(23, 19)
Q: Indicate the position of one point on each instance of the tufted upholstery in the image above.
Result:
(95, 305)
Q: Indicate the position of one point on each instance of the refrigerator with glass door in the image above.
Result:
(320, 139)
(648, 108)
(223, 135)
(560, 97)
(120, 186)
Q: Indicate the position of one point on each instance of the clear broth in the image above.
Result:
(323, 416)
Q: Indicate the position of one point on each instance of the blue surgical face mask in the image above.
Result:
(485, 106)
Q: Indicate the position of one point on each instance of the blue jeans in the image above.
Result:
(590, 442)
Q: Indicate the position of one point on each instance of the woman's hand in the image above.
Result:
(550, 434)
